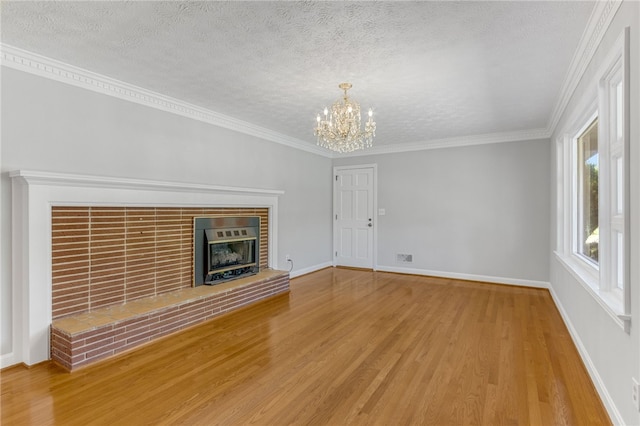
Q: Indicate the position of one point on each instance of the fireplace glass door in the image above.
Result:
(227, 259)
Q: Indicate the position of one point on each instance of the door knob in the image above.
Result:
(369, 224)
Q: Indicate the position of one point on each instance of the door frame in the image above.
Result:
(336, 169)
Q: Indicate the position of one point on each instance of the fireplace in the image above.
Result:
(36, 194)
(225, 248)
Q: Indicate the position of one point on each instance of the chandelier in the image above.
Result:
(339, 129)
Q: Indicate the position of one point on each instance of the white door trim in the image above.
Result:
(336, 169)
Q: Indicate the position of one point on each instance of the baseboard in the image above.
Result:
(8, 360)
(467, 277)
(610, 406)
(310, 269)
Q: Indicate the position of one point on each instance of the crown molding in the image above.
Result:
(42, 66)
(599, 21)
(489, 138)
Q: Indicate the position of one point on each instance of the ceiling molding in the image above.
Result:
(49, 68)
(55, 70)
(42, 66)
(599, 21)
(517, 136)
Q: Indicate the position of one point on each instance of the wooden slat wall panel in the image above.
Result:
(169, 249)
(70, 260)
(186, 259)
(107, 252)
(107, 255)
(264, 240)
(140, 253)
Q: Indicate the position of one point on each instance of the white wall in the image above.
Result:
(479, 212)
(51, 126)
(611, 355)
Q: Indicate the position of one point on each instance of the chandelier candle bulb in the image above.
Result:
(340, 130)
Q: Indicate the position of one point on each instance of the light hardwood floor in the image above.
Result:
(344, 347)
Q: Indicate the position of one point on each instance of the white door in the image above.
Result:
(353, 217)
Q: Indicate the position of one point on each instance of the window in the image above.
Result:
(587, 175)
(593, 174)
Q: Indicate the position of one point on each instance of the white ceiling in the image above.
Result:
(431, 70)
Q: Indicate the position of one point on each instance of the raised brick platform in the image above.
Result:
(84, 338)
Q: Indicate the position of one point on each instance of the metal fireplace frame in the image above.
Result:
(221, 230)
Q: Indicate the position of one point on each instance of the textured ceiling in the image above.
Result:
(430, 70)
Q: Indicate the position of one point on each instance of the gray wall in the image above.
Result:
(612, 355)
(477, 210)
(51, 126)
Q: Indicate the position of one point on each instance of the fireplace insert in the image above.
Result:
(225, 248)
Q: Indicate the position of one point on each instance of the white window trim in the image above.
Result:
(596, 102)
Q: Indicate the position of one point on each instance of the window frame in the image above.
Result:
(607, 99)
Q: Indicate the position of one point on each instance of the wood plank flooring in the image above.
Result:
(344, 347)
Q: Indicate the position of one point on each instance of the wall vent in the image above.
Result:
(404, 258)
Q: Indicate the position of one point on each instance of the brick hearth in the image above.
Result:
(80, 339)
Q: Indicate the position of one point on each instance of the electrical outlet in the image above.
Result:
(635, 393)
(287, 257)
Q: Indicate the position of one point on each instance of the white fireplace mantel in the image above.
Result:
(33, 195)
